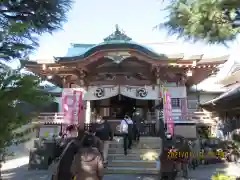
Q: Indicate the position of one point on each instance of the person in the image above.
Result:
(71, 131)
(62, 170)
(168, 169)
(185, 148)
(126, 128)
(136, 126)
(97, 142)
(196, 150)
(104, 133)
(88, 162)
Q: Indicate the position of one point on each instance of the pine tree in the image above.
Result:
(22, 21)
(213, 21)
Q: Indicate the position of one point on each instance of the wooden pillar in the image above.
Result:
(158, 102)
(66, 82)
(85, 115)
(183, 101)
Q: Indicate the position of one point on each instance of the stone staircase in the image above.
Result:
(141, 159)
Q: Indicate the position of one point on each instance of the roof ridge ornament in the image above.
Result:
(117, 35)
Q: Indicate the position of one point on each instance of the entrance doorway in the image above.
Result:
(122, 105)
(116, 107)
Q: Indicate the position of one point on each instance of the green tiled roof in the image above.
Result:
(78, 49)
(115, 40)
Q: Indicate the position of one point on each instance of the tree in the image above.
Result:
(14, 88)
(213, 21)
(21, 23)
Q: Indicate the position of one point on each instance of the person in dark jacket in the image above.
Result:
(63, 171)
(184, 148)
(168, 169)
(88, 162)
(136, 118)
(104, 133)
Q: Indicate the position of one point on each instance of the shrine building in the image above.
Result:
(119, 76)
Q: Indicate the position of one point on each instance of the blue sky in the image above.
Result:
(90, 21)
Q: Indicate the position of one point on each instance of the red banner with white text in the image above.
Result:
(72, 105)
(167, 109)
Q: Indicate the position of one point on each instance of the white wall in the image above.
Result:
(203, 97)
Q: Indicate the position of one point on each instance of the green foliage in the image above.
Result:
(203, 20)
(14, 88)
(22, 21)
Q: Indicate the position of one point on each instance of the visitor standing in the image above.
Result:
(88, 162)
(62, 169)
(104, 132)
(136, 118)
(168, 170)
(185, 160)
(126, 129)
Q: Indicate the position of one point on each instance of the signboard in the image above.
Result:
(49, 131)
(72, 102)
(167, 109)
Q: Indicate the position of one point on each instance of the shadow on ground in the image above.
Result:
(22, 173)
(204, 172)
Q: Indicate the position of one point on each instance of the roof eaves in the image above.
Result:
(217, 60)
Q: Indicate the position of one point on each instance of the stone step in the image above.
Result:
(142, 139)
(131, 170)
(141, 145)
(131, 157)
(134, 151)
(131, 163)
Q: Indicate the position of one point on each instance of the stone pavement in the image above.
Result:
(201, 173)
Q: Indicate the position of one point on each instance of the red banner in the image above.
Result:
(167, 104)
(72, 105)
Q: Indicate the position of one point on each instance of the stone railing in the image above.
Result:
(54, 117)
(199, 117)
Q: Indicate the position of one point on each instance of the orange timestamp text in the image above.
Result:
(179, 154)
(219, 154)
(182, 154)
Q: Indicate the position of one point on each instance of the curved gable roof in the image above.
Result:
(115, 40)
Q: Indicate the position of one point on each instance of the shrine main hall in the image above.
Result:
(119, 76)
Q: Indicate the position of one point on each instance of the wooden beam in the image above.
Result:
(198, 76)
(126, 82)
(122, 69)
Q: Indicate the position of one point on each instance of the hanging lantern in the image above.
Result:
(44, 67)
(189, 73)
(49, 77)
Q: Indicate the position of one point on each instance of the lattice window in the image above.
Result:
(175, 102)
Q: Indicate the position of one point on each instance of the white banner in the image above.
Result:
(135, 92)
(101, 92)
(140, 92)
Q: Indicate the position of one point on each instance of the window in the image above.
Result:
(175, 102)
(192, 104)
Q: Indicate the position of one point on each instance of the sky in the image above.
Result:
(90, 21)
